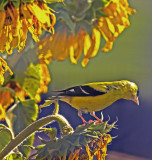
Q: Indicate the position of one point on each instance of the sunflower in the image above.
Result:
(97, 147)
(80, 28)
(85, 143)
(111, 27)
(17, 18)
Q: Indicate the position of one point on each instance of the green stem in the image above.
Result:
(63, 123)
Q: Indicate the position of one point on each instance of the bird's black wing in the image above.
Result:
(80, 91)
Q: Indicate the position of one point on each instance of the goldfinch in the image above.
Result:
(96, 96)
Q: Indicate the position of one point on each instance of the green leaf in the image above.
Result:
(19, 117)
(52, 1)
(51, 132)
(3, 3)
(33, 71)
(32, 80)
(5, 136)
(74, 140)
(105, 2)
(24, 149)
(16, 3)
(47, 103)
(98, 127)
(28, 1)
(82, 128)
(14, 156)
(31, 86)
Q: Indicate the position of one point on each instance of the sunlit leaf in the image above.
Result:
(32, 80)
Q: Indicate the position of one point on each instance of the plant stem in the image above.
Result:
(63, 123)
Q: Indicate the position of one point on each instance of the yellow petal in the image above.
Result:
(34, 35)
(104, 28)
(26, 14)
(85, 61)
(97, 39)
(2, 113)
(87, 43)
(75, 45)
(107, 47)
(93, 50)
(3, 16)
(38, 13)
(71, 53)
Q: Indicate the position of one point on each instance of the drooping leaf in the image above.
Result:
(5, 136)
(19, 117)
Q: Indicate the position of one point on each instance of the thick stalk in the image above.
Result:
(63, 123)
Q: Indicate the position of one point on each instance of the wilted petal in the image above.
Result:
(16, 22)
(3, 68)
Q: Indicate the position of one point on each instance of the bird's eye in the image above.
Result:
(138, 92)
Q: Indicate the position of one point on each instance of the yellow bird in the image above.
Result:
(96, 96)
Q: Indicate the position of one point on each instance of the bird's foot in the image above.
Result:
(98, 119)
(83, 120)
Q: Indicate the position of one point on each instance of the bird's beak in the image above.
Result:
(136, 100)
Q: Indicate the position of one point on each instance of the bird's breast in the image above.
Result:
(90, 103)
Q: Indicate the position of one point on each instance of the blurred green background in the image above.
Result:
(130, 59)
